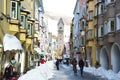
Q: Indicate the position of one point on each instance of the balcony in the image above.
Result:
(28, 42)
(13, 29)
(14, 21)
(22, 35)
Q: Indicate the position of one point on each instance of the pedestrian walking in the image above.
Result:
(57, 64)
(8, 73)
(74, 63)
(81, 65)
(67, 61)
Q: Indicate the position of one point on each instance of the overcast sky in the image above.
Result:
(54, 9)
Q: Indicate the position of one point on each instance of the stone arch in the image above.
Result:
(104, 61)
(115, 57)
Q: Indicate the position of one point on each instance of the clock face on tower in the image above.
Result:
(60, 28)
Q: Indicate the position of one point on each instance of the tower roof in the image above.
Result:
(60, 21)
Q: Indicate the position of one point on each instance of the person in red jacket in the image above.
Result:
(43, 61)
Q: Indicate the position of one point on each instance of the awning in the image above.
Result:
(11, 42)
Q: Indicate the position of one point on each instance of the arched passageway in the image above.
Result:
(104, 59)
(115, 58)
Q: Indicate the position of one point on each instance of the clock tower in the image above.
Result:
(60, 39)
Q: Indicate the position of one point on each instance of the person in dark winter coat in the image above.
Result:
(8, 72)
(57, 64)
(74, 63)
(81, 65)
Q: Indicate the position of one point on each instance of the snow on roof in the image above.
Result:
(11, 42)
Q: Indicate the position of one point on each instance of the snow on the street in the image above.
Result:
(66, 73)
(43, 72)
(46, 71)
(109, 74)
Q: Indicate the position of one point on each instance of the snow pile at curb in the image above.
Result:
(43, 72)
(109, 74)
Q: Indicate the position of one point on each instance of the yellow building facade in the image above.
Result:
(9, 24)
(91, 32)
(17, 18)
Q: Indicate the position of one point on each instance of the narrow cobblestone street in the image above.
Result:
(65, 73)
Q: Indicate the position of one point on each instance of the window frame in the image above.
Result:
(13, 16)
(29, 29)
(22, 23)
(111, 1)
(90, 15)
(110, 25)
(90, 34)
(36, 27)
(118, 22)
(100, 31)
(100, 9)
(105, 27)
